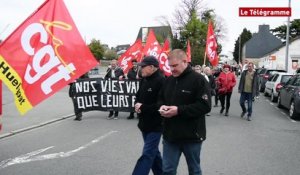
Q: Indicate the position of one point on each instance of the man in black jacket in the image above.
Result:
(133, 75)
(184, 100)
(150, 121)
(114, 72)
(72, 94)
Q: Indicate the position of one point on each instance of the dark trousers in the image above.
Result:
(222, 98)
(131, 114)
(246, 97)
(111, 113)
(76, 110)
(216, 99)
(151, 158)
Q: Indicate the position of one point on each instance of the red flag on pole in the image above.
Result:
(152, 47)
(211, 46)
(134, 52)
(188, 51)
(44, 54)
(163, 59)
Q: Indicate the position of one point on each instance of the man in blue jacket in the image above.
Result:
(184, 100)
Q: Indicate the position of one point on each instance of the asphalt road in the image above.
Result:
(267, 145)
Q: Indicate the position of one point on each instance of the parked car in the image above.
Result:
(275, 82)
(289, 96)
(264, 75)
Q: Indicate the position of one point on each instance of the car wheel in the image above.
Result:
(261, 89)
(292, 111)
(273, 98)
(279, 105)
(265, 93)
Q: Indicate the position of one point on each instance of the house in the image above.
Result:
(276, 58)
(161, 32)
(122, 47)
(260, 44)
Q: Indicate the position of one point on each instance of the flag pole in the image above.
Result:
(204, 58)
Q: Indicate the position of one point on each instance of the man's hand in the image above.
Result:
(168, 111)
(137, 107)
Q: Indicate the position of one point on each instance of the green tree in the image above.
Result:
(96, 49)
(191, 21)
(280, 31)
(195, 31)
(245, 36)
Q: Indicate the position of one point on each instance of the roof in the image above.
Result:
(163, 31)
(261, 43)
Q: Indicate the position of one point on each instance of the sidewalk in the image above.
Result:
(57, 107)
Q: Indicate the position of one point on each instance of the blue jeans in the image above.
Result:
(151, 158)
(172, 153)
(246, 96)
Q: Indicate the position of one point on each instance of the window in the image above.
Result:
(275, 77)
(285, 78)
(297, 82)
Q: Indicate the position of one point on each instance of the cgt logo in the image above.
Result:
(39, 65)
(211, 51)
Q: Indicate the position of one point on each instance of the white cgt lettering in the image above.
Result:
(39, 66)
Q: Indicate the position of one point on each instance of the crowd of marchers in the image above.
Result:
(175, 107)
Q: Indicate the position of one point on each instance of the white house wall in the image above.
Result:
(279, 63)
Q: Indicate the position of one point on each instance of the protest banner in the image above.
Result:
(105, 94)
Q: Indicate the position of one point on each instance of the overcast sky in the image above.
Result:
(116, 22)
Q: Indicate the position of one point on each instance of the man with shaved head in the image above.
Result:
(184, 100)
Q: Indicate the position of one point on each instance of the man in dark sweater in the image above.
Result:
(133, 75)
(150, 121)
(184, 100)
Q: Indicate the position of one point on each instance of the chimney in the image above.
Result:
(263, 28)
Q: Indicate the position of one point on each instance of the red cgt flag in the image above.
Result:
(188, 52)
(134, 52)
(152, 46)
(211, 46)
(44, 54)
(163, 59)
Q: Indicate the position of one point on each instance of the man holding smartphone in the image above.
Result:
(184, 100)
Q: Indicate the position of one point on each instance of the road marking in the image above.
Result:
(33, 156)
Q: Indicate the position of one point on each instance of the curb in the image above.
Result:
(12, 133)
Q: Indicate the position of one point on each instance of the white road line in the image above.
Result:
(32, 156)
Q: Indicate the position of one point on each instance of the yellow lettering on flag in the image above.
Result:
(13, 81)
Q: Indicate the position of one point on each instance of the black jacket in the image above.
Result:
(118, 72)
(149, 118)
(132, 74)
(190, 93)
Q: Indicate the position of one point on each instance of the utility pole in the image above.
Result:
(287, 40)
(240, 60)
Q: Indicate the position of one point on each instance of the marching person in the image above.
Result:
(72, 94)
(184, 100)
(211, 82)
(249, 88)
(150, 121)
(226, 82)
(216, 74)
(114, 72)
(133, 75)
